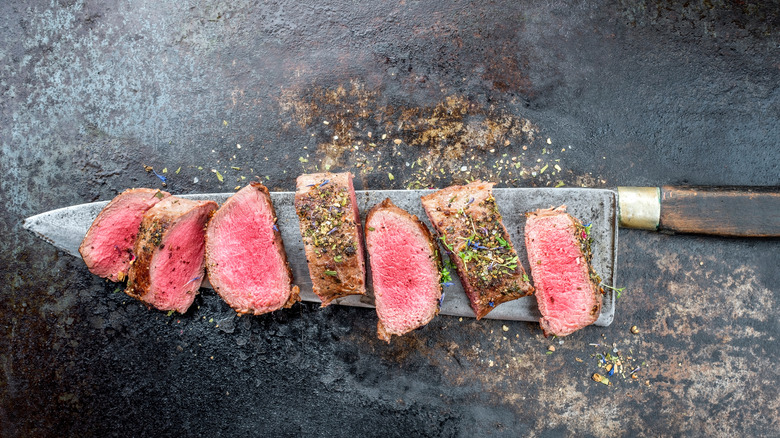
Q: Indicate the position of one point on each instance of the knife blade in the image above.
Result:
(65, 229)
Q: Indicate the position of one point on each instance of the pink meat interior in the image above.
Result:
(244, 260)
(108, 248)
(563, 289)
(405, 277)
(176, 269)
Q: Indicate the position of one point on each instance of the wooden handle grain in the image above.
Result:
(723, 211)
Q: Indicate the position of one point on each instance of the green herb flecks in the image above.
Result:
(329, 224)
(582, 233)
(618, 290)
(331, 273)
(446, 273)
(482, 243)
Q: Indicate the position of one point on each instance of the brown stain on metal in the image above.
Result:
(353, 127)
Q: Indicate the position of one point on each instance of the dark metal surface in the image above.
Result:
(625, 93)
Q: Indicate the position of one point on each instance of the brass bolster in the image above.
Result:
(639, 207)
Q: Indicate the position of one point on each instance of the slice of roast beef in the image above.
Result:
(245, 257)
(107, 248)
(468, 223)
(169, 264)
(405, 270)
(567, 288)
(332, 235)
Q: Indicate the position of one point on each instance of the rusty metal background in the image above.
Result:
(630, 92)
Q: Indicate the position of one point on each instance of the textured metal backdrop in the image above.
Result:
(405, 95)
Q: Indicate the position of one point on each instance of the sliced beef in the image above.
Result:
(332, 235)
(468, 223)
(245, 257)
(405, 269)
(567, 288)
(169, 264)
(107, 249)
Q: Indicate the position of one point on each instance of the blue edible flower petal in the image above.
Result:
(162, 178)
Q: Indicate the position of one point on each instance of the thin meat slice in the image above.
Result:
(405, 270)
(169, 264)
(107, 248)
(332, 235)
(245, 257)
(468, 223)
(567, 288)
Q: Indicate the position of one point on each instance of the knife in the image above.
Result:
(720, 211)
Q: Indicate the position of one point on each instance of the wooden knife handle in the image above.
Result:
(723, 211)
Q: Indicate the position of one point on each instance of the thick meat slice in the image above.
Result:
(107, 249)
(405, 269)
(468, 223)
(567, 288)
(245, 257)
(332, 235)
(169, 264)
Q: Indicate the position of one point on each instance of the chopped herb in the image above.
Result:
(338, 258)
(331, 273)
(390, 175)
(159, 195)
(178, 170)
(560, 184)
(525, 277)
(541, 171)
(446, 273)
(371, 228)
(235, 168)
(170, 312)
(165, 170)
(601, 379)
(219, 175)
(619, 291)
(303, 160)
